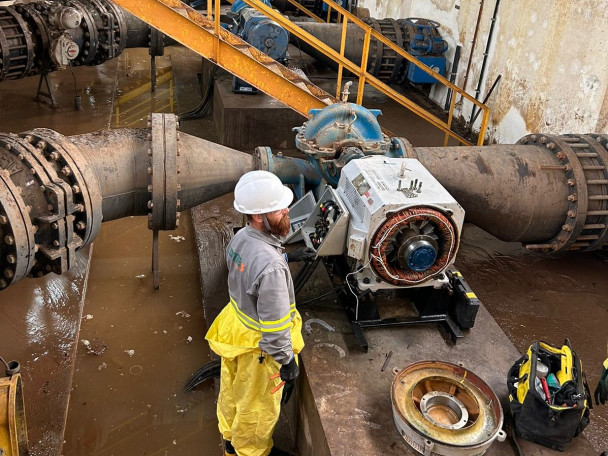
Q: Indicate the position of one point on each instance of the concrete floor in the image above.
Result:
(529, 297)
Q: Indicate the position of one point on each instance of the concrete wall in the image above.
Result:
(551, 56)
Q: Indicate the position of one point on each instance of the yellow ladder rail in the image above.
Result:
(205, 37)
(365, 77)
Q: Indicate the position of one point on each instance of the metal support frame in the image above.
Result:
(48, 95)
(455, 307)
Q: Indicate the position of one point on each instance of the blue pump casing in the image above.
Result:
(340, 133)
(259, 31)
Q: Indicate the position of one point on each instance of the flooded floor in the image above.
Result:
(138, 348)
(127, 393)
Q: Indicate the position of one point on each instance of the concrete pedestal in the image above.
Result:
(245, 122)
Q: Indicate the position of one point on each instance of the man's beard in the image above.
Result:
(280, 227)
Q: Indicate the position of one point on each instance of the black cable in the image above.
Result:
(336, 290)
(304, 273)
(4, 362)
(74, 78)
(204, 107)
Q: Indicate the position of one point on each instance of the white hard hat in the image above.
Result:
(260, 192)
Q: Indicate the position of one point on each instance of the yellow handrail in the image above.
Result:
(366, 77)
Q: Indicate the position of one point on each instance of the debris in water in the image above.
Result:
(87, 317)
(136, 369)
(95, 348)
(102, 366)
(140, 276)
(189, 339)
(130, 352)
(177, 238)
(183, 314)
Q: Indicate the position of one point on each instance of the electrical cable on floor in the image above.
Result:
(304, 273)
(204, 107)
(77, 98)
(352, 291)
(4, 362)
(336, 290)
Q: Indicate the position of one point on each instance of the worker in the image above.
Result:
(601, 390)
(258, 334)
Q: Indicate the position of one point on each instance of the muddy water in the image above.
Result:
(535, 298)
(138, 348)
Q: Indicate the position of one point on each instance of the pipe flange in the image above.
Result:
(403, 148)
(17, 243)
(37, 14)
(583, 161)
(262, 158)
(85, 202)
(111, 26)
(157, 42)
(46, 196)
(163, 184)
(17, 62)
(90, 34)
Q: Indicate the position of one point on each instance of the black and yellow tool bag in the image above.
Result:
(556, 420)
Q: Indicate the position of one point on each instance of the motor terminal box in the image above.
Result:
(326, 228)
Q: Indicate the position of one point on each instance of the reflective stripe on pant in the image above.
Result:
(246, 409)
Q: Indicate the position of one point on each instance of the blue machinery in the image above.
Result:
(259, 31)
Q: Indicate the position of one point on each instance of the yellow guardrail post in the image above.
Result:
(363, 74)
(340, 66)
(364, 58)
(216, 29)
(450, 116)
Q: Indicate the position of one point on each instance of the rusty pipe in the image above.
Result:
(121, 163)
(549, 192)
(56, 190)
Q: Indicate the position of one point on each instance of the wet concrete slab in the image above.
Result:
(352, 393)
(39, 325)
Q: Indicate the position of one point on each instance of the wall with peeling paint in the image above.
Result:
(551, 56)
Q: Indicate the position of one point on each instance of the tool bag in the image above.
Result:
(555, 420)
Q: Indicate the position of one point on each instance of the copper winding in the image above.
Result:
(398, 276)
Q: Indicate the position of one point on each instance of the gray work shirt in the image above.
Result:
(261, 289)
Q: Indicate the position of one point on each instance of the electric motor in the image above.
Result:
(404, 227)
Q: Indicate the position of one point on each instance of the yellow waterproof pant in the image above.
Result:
(246, 409)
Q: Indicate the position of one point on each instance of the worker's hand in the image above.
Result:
(303, 253)
(289, 372)
(601, 390)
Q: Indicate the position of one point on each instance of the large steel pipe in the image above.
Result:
(43, 36)
(548, 192)
(56, 190)
(383, 62)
